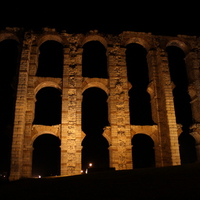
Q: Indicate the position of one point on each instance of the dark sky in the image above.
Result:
(159, 17)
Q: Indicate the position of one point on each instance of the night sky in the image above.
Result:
(75, 17)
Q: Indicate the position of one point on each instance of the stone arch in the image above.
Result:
(49, 37)
(9, 36)
(151, 131)
(95, 38)
(95, 82)
(138, 40)
(180, 44)
(46, 83)
(38, 130)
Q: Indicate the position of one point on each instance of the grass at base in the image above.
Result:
(178, 182)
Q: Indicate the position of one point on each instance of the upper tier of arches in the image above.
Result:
(147, 40)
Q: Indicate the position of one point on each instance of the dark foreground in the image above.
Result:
(180, 182)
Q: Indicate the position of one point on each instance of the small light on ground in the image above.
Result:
(90, 164)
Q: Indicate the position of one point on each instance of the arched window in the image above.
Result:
(143, 151)
(50, 62)
(94, 61)
(94, 119)
(9, 65)
(181, 102)
(48, 107)
(137, 71)
(46, 156)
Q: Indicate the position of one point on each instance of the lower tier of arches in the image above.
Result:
(45, 151)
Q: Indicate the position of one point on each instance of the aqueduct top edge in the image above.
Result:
(147, 40)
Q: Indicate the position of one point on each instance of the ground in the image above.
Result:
(179, 182)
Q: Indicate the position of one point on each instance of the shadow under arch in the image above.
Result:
(138, 76)
(94, 60)
(187, 148)
(143, 151)
(50, 60)
(94, 119)
(46, 155)
(48, 106)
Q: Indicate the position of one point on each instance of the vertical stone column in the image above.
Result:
(192, 61)
(20, 112)
(153, 91)
(28, 146)
(192, 64)
(196, 134)
(119, 116)
(166, 120)
(71, 111)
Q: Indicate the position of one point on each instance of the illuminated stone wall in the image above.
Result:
(164, 133)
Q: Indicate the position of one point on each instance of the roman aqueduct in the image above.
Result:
(164, 131)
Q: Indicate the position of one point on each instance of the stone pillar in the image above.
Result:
(195, 132)
(71, 133)
(20, 112)
(118, 106)
(153, 91)
(28, 146)
(27, 161)
(166, 120)
(192, 64)
(192, 61)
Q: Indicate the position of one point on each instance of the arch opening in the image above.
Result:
(137, 71)
(9, 64)
(94, 119)
(50, 61)
(182, 104)
(94, 60)
(143, 151)
(48, 107)
(187, 148)
(46, 156)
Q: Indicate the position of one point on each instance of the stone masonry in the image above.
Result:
(120, 132)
